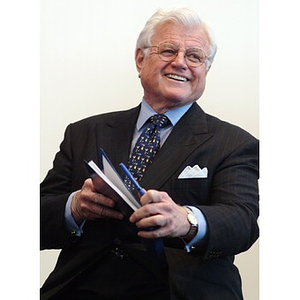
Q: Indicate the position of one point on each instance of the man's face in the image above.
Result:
(172, 84)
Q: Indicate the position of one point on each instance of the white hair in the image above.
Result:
(184, 16)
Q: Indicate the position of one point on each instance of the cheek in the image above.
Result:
(149, 81)
(199, 84)
(202, 81)
(150, 75)
(152, 68)
(201, 78)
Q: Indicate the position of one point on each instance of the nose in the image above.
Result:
(179, 61)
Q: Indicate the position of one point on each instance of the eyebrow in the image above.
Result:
(176, 44)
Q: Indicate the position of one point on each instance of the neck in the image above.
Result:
(164, 106)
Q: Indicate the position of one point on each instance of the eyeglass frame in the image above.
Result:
(188, 62)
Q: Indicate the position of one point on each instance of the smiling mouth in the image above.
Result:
(177, 77)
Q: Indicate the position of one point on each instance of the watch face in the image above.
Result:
(192, 219)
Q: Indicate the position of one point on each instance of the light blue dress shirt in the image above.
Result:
(146, 112)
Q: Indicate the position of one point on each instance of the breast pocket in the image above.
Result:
(190, 191)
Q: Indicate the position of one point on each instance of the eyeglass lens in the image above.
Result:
(194, 56)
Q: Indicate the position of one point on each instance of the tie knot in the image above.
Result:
(159, 120)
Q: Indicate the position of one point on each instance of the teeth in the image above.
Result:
(176, 77)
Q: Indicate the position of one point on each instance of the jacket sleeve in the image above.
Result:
(54, 192)
(233, 210)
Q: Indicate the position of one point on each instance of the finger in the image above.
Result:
(153, 196)
(88, 185)
(143, 212)
(104, 207)
(154, 232)
(103, 212)
(146, 211)
(101, 199)
(93, 205)
(167, 221)
(93, 211)
(87, 196)
(157, 226)
(151, 221)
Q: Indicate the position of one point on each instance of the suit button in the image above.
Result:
(73, 233)
(117, 241)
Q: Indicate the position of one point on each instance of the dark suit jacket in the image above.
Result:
(228, 198)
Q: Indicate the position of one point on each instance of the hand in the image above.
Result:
(159, 210)
(87, 204)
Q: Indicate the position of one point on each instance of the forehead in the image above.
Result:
(180, 35)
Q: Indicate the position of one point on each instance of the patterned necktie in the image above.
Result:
(146, 147)
(141, 157)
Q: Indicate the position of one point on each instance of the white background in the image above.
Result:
(87, 67)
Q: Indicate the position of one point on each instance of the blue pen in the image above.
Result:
(132, 180)
(154, 246)
(141, 191)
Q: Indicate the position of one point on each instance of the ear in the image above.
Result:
(139, 59)
(207, 69)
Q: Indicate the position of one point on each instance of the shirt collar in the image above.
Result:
(147, 111)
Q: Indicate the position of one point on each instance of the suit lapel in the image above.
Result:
(115, 135)
(188, 134)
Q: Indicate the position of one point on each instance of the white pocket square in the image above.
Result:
(193, 172)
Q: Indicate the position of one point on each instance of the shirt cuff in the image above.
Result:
(70, 223)
(202, 228)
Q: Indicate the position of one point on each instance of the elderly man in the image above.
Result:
(201, 195)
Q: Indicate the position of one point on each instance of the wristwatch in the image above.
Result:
(192, 219)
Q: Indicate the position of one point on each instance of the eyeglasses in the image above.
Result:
(167, 52)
